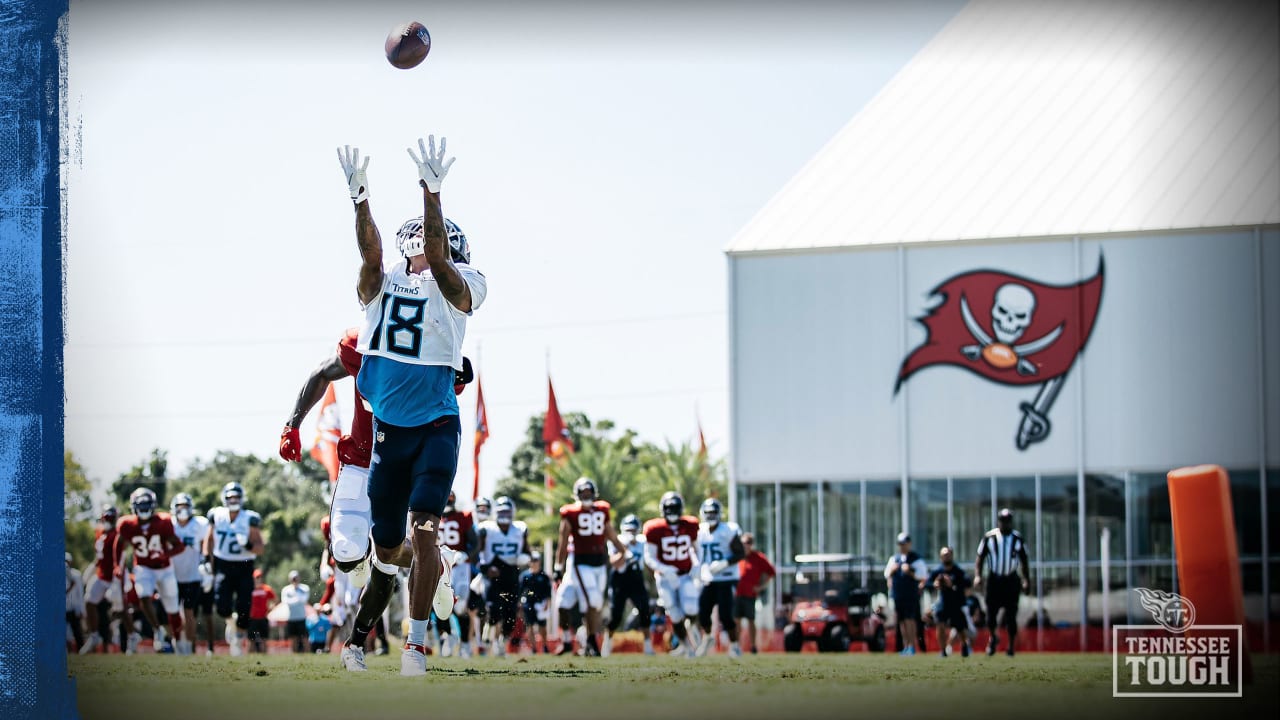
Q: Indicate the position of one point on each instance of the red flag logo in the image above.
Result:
(1010, 330)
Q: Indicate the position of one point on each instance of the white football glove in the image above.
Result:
(669, 572)
(357, 181)
(717, 567)
(432, 167)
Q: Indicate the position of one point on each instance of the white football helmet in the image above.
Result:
(484, 507)
(233, 496)
(410, 241)
(504, 511)
(180, 506)
(143, 503)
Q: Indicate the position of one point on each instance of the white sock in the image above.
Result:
(417, 632)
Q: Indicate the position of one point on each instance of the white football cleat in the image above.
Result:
(413, 660)
(92, 644)
(607, 646)
(648, 646)
(705, 646)
(499, 648)
(443, 601)
(446, 646)
(353, 658)
(735, 650)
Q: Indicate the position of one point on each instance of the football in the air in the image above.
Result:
(408, 44)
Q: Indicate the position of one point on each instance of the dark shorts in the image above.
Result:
(954, 616)
(718, 594)
(624, 587)
(194, 598)
(531, 617)
(295, 629)
(233, 589)
(259, 628)
(907, 608)
(744, 607)
(412, 470)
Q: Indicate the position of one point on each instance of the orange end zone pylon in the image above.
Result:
(1204, 538)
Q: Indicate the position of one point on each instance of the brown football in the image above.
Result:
(407, 45)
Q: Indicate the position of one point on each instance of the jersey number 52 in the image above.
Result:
(675, 548)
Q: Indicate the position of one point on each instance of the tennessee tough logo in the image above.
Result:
(1009, 330)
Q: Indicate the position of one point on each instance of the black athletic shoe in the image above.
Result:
(565, 650)
(593, 648)
(991, 648)
(1009, 652)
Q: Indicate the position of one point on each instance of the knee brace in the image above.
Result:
(349, 516)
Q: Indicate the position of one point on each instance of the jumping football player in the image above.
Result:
(720, 544)
(232, 545)
(191, 529)
(151, 537)
(415, 321)
(586, 571)
(669, 553)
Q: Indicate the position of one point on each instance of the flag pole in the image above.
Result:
(546, 459)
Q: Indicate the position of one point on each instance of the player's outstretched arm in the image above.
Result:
(329, 371)
(432, 169)
(367, 236)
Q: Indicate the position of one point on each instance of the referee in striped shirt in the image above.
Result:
(1004, 552)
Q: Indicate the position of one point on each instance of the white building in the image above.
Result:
(1031, 143)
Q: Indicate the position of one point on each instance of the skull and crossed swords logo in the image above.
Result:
(1035, 332)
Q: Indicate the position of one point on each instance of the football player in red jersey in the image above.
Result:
(669, 553)
(457, 532)
(583, 579)
(348, 543)
(97, 606)
(151, 537)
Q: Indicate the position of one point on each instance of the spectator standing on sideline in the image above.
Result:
(1004, 553)
(296, 596)
(905, 571)
(260, 602)
(756, 572)
(318, 627)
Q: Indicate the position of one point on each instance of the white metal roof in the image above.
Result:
(1035, 118)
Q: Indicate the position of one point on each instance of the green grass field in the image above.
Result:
(777, 687)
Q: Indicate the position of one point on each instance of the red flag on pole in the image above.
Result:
(702, 442)
(482, 434)
(328, 430)
(555, 436)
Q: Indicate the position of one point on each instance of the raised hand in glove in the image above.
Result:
(432, 167)
(357, 181)
(290, 444)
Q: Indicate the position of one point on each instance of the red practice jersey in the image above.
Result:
(586, 530)
(104, 548)
(454, 527)
(147, 538)
(355, 448)
(675, 543)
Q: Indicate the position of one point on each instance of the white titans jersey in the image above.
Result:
(410, 320)
(186, 565)
(227, 533)
(636, 545)
(714, 545)
(498, 544)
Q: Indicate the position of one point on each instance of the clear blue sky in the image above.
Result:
(606, 155)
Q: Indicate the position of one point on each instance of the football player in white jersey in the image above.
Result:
(504, 551)
(627, 583)
(478, 588)
(191, 530)
(415, 321)
(720, 548)
(232, 544)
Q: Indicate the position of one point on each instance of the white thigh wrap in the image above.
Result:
(679, 595)
(582, 584)
(150, 580)
(349, 515)
(96, 591)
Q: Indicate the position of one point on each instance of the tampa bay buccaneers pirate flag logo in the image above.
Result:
(1010, 330)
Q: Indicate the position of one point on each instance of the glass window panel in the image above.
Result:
(970, 516)
(1251, 579)
(928, 517)
(1061, 597)
(1059, 534)
(755, 514)
(1153, 576)
(799, 532)
(841, 510)
(1273, 518)
(1117, 604)
(884, 518)
(1104, 508)
(1152, 523)
(1019, 495)
(1246, 506)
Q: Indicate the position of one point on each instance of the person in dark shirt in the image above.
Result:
(535, 591)
(949, 582)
